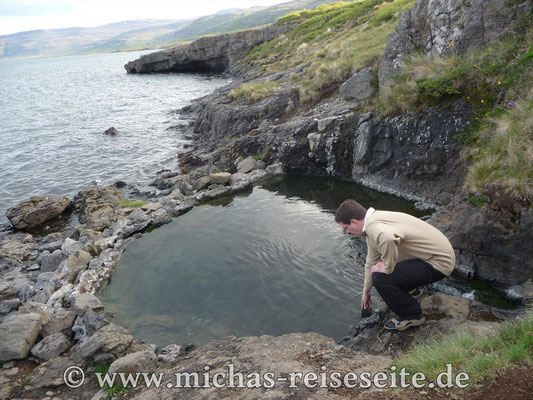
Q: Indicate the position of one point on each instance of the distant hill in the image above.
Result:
(140, 34)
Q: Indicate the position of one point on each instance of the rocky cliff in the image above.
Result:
(439, 27)
(210, 53)
(415, 155)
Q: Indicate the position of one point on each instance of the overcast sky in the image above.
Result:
(25, 15)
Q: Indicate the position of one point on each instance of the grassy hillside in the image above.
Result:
(333, 41)
(239, 19)
(497, 83)
(142, 34)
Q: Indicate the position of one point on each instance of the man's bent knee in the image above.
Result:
(379, 278)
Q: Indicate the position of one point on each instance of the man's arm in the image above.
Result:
(372, 258)
(387, 243)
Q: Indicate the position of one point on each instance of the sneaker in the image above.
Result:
(416, 293)
(403, 324)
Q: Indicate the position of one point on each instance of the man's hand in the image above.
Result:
(379, 267)
(366, 301)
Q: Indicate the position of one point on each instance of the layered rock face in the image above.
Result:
(209, 53)
(439, 27)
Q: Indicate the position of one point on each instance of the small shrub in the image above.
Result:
(132, 203)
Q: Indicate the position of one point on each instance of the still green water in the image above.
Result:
(267, 261)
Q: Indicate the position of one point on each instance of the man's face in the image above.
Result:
(355, 227)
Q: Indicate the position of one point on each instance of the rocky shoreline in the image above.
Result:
(50, 318)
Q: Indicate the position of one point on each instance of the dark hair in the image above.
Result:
(348, 210)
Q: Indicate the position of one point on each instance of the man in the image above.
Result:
(404, 253)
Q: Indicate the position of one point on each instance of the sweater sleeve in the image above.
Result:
(387, 243)
(372, 257)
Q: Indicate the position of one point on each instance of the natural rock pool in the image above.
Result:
(269, 261)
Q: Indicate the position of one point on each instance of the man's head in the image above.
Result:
(351, 216)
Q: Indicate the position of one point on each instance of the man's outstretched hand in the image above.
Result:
(366, 300)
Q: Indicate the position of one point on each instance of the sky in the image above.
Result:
(25, 15)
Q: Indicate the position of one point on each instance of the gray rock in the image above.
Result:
(50, 262)
(141, 361)
(98, 207)
(151, 207)
(359, 86)
(246, 165)
(87, 325)
(170, 353)
(6, 306)
(51, 246)
(36, 211)
(61, 320)
(209, 53)
(51, 346)
(221, 178)
(83, 301)
(18, 333)
(111, 131)
(260, 164)
(71, 246)
(50, 373)
(202, 183)
(104, 243)
(445, 27)
(522, 294)
(76, 262)
(111, 341)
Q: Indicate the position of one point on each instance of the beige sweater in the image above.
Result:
(394, 236)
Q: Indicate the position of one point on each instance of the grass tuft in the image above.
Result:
(253, 92)
(479, 356)
(131, 203)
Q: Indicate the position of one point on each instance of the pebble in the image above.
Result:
(50, 394)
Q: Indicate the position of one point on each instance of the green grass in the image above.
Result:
(111, 391)
(333, 41)
(479, 356)
(253, 92)
(495, 83)
(131, 203)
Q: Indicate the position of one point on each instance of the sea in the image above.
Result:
(54, 112)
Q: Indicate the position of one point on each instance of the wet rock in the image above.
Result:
(359, 86)
(81, 302)
(522, 294)
(212, 193)
(111, 131)
(170, 353)
(36, 211)
(142, 361)
(87, 325)
(18, 333)
(50, 262)
(240, 181)
(111, 341)
(51, 346)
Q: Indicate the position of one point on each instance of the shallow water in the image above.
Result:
(53, 113)
(268, 261)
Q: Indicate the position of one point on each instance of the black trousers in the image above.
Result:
(394, 288)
